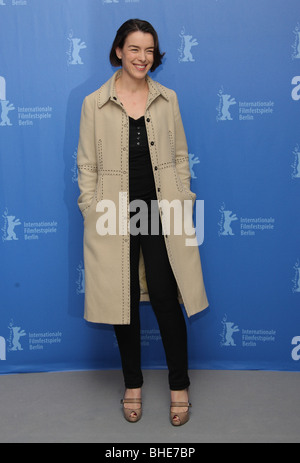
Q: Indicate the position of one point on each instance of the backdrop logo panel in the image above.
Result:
(31, 230)
(27, 115)
(247, 110)
(245, 226)
(239, 96)
(19, 339)
(233, 335)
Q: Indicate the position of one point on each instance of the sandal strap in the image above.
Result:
(131, 401)
(181, 404)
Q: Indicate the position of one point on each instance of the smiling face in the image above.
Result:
(137, 54)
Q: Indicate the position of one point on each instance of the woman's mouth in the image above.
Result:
(140, 67)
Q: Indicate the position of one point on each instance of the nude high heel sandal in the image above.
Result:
(130, 414)
(183, 416)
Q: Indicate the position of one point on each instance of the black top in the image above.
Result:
(141, 179)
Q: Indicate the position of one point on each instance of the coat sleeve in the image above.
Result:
(181, 148)
(86, 157)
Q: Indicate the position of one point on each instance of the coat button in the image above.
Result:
(115, 98)
(155, 168)
(152, 143)
(148, 119)
(158, 189)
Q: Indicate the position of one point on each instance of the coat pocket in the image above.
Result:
(87, 211)
(185, 192)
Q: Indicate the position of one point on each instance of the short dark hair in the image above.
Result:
(133, 25)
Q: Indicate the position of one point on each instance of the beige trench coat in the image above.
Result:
(103, 174)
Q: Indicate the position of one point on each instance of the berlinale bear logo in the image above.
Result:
(185, 50)
(225, 101)
(74, 49)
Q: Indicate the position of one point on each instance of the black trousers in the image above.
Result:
(163, 297)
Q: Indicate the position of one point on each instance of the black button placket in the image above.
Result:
(154, 159)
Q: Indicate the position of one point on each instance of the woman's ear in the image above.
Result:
(119, 53)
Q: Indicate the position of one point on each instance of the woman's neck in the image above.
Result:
(133, 95)
(126, 84)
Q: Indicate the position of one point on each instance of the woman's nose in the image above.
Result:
(142, 55)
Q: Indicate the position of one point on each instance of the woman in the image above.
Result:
(132, 152)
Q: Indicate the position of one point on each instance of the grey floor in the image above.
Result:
(84, 407)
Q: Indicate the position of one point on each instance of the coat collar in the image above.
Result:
(108, 91)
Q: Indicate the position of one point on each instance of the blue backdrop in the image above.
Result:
(235, 65)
